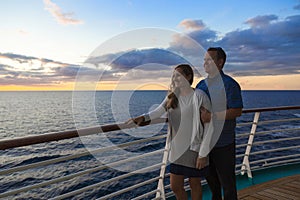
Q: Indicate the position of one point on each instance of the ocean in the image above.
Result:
(31, 113)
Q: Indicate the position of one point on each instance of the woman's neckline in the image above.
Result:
(189, 92)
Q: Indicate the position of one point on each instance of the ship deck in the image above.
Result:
(280, 189)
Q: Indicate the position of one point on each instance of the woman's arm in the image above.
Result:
(230, 113)
(157, 112)
(207, 136)
(154, 114)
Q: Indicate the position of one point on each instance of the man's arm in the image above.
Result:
(230, 113)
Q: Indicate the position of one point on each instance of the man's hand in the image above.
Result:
(205, 115)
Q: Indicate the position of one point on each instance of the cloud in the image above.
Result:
(297, 7)
(22, 32)
(260, 21)
(198, 32)
(271, 49)
(18, 69)
(136, 64)
(189, 43)
(59, 15)
(135, 58)
(124, 61)
(267, 47)
(190, 24)
(17, 57)
(28, 70)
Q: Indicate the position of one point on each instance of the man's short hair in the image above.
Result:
(220, 53)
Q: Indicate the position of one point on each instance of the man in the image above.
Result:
(225, 94)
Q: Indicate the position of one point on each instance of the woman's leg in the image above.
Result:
(196, 188)
(177, 186)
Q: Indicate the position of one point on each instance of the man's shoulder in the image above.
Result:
(228, 77)
(202, 81)
(201, 84)
(229, 80)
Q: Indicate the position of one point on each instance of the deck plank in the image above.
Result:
(280, 189)
(269, 195)
(296, 183)
(287, 192)
(260, 197)
(279, 193)
(293, 185)
(288, 188)
(250, 198)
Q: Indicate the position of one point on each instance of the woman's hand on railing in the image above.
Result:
(136, 121)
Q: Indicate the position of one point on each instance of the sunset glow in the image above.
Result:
(56, 39)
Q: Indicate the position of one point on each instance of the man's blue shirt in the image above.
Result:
(232, 98)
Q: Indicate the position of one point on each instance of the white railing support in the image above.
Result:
(160, 194)
(246, 163)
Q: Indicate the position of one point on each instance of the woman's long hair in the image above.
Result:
(173, 92)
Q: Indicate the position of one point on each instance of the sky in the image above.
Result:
(134, 44)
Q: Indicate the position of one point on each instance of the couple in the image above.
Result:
(191, 117)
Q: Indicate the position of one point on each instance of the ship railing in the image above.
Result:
(282, 141)
(38, 139)
(249, 158)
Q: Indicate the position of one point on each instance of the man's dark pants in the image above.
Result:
(222, 173)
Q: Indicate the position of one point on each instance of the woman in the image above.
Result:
(189, 145)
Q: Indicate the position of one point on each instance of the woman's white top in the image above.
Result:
(189, 139)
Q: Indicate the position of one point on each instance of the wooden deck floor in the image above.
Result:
(280, 189)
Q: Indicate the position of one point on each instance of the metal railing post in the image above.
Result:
(246, 164)
(160, 194)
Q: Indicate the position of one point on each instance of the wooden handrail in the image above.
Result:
(271, 109)
(49, 137)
